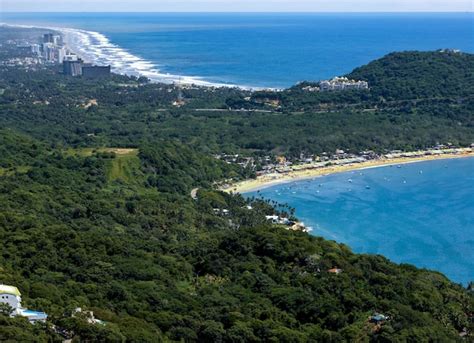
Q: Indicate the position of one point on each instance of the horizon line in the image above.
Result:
(250, 12)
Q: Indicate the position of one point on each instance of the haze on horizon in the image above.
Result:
(236, 6)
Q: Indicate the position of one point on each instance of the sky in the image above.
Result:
(236, 5)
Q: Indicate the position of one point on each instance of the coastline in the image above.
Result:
(306, 172)
(95, 47)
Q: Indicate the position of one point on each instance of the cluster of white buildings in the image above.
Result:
(52, 49)
(27, 62)
(342, 83)
(11, 296)
(450, 51)
(290, 225)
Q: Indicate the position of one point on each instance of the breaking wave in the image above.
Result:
(94, 47)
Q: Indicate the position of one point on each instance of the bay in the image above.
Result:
(420, 213)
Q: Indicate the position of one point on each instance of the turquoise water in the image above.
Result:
(422, 218)
(262, 50)
(421, 213)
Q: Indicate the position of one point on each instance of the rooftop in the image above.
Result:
(5, 289)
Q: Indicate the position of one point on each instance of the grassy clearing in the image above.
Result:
(85, 152)
(125, 166)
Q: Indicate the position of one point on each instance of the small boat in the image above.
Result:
(350, 180)
(367, 187)
(399, 166)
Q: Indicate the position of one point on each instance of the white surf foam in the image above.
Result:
(94, 47)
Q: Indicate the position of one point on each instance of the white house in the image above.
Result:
(11, 296)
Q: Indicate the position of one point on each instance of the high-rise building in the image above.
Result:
(57, 40)
(72, 66)
(48, 38)
(36, 49)
(91, 71)
(49, 53)
(61, 54)
(71, 57)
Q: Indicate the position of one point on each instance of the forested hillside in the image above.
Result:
(96, 211)
(415, 100)
(415, 75)
(157, 265)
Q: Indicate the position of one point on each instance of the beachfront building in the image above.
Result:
(49, 52)
(53, 53)
(72, 68)
(92, 71)
(48, 38)
(342, 83)
(36, 49)
(61, 54)
(72, 65)
(52, 38)
(11, 296)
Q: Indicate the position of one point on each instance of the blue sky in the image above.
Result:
(237, 5)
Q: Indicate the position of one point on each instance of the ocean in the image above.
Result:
(250, 49)
(420, 213)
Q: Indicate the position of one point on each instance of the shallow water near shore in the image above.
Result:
(420, 213)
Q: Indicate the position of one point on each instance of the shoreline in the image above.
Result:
(307, 172)
(95, 47)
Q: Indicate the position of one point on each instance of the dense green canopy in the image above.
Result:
(83, 224)
(416, 100)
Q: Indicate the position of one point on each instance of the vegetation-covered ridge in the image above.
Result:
(95, 178)
(416, 100)
(157, 265)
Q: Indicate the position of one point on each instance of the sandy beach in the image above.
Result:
(307, 171)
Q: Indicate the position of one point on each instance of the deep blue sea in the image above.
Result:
(260, 50)
(421, 213)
